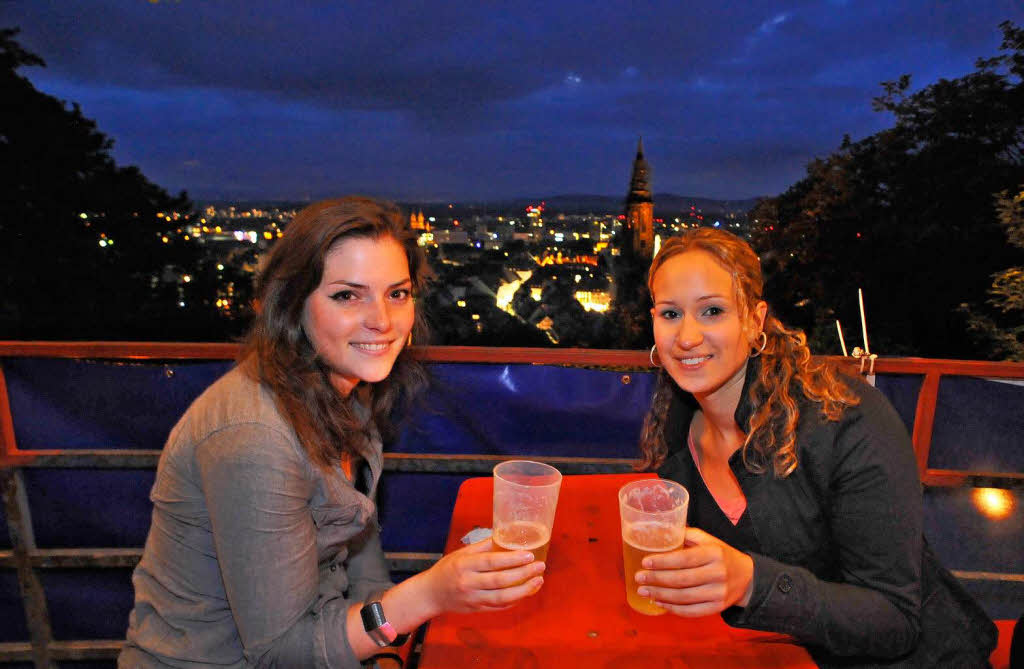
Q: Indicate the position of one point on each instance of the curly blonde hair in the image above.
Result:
(786, 366)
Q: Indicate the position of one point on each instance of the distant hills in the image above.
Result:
(665, 205)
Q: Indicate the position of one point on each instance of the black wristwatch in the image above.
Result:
(376, 624)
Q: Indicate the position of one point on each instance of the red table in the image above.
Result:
(580, 617)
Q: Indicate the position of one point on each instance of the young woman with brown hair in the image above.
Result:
(264, 546)
(805, 504)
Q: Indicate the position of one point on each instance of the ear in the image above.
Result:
(759, 315)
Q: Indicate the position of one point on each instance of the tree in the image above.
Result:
(1003, 331)
(906, 214)
(81, 242)
(627, 323)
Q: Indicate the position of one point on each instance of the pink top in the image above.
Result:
(732, 507)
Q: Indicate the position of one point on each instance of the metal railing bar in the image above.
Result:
(135, 350)
(100, 558)
(19, 527)
(92, 649)
(987, 576)
(120, 350)
(7, 443)
(410, 562)
(441, 463)
(72, 558)
(924, 419)
(956, 478)
(484, 464)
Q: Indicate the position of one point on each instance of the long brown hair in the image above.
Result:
(786, 366)
(277, 352)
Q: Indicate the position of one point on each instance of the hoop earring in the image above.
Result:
(654, 349)
(764, 345)
(408, 342)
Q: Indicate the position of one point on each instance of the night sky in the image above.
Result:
(432, 101)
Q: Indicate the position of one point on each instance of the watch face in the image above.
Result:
(376, 625)
(373, 616)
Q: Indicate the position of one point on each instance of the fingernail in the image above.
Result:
(643, 592)
(648, 563)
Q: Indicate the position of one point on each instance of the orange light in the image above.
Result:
(995, 503)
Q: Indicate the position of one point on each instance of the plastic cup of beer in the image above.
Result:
(653, 515)
(525, 498)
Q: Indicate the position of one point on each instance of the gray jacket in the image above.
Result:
(254, 554)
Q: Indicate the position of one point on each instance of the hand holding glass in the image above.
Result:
(525, 498)
(653, 515)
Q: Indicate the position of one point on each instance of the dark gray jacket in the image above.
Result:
(843, 566)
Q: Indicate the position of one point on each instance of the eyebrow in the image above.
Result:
(702, 298)
(346, 282)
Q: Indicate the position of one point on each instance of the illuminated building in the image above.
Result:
(594, 300)
(535, 214)
(639, 217)
(417, 222)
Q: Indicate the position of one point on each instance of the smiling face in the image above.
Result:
(359, 317)
(703, 335)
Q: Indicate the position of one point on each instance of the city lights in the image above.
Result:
(487, 258)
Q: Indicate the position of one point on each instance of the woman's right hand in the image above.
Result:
(705, 577)
(478, 578)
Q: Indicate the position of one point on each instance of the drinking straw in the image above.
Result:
(863, 321)
(842, 342)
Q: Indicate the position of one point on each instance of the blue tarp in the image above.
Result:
(499, 409)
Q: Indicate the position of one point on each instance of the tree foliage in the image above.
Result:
(906, 214)
(1001, 327)
(81, 244)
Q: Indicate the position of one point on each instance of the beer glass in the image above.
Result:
(525, 497)
(653, 515)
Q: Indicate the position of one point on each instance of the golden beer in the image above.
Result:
(638, 541)
(523, 535)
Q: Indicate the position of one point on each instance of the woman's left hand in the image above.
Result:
(704, 577)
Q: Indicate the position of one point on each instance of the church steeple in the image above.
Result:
(640, 206)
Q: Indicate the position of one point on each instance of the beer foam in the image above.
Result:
(653, 537)
(521, 535)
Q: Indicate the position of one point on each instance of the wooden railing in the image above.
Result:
(27, 559)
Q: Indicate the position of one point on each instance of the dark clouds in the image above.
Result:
(473, 100)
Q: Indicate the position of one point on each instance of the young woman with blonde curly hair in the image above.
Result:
(805, 504)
